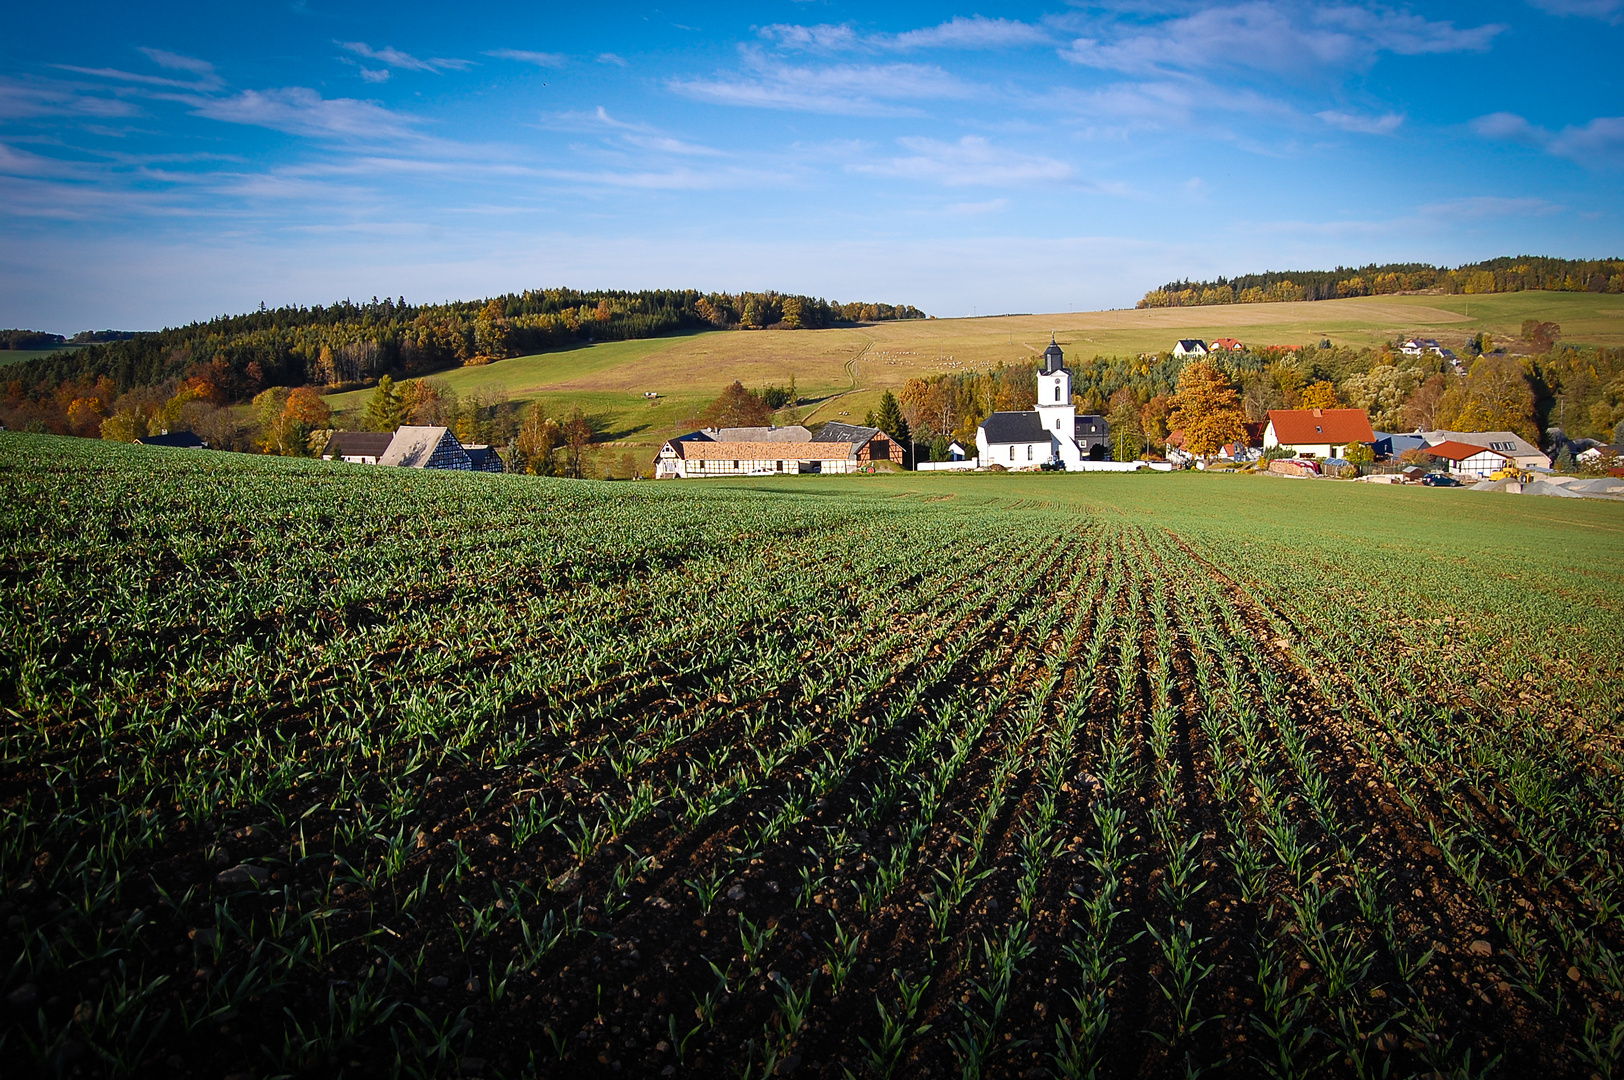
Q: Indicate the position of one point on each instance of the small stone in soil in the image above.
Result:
(439, 982)
(1480, 948)
(24, 996)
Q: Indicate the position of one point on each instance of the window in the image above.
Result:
(1028, 451)
(1057, 391)
(1012, 453)
(735, 464)
(778, 466)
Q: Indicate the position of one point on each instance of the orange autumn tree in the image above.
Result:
(1207, 409)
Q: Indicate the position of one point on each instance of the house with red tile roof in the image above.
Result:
(1322, 433)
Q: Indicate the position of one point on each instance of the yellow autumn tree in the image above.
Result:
(1320, 395)
(1207, 409)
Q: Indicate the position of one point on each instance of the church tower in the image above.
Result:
(1054, 395)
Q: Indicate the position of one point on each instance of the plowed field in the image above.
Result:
(312, 770)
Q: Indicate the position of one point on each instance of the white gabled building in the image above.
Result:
(1190, 347)
(1049, 431)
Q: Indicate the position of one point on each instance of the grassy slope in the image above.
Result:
(609, 380)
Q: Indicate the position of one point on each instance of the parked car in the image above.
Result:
(1438, 479)
(1053, 465)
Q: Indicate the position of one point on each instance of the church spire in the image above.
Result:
(1053, 358)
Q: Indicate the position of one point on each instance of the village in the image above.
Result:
(1053, 436)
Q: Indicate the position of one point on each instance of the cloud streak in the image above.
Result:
(525, 56)
(403, 61)
(1271, 37)
(1597, 144)
(848, 89)
(972, 161)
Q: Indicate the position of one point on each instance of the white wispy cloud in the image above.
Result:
(525, 56)
(23, 99)
(1611, 10)
(1266, 35)
(120, 75)
(299, 110)
(852, 89)
(1385, 124)
(177, 62)
(971, 161)
(960, 32)
(1597, 144)
(405, 61)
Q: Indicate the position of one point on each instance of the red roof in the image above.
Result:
(1309, 426)
(1459, 451)
(1227, 343)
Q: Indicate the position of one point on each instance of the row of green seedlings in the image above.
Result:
(1438, 766)
(858, 673)
(1096, 949)
(980, 1013)
(1267, 761)
(959, 728)
(397, 846)
(819, 781)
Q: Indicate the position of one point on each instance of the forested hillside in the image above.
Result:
(1509, 274)
(232, 358)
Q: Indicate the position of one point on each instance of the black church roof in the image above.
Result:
(1015, 427)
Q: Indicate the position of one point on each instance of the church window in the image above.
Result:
(1028, 451)
(1012, 453)
(1057, 391)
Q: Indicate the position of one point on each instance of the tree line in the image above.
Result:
(234, 358)
(1507, 274)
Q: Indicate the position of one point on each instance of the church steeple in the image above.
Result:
(1053, 358)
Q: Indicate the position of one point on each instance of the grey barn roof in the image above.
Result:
(370, 444)
(1015, 427)
(413, 446)
(793, 433)
(835, 431)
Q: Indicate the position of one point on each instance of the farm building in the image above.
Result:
(180, 440)
(870, 444)
(1467, 459)
(1227, 344)
(1190, 347)
(1524, 453)
(426, 448)
(483, 457)
(1317, 432)
(699, 458)
(357, 447)
(1049, 431)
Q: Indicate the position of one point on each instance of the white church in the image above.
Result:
(1050, 432)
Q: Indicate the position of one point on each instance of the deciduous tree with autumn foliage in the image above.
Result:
(1207, 409)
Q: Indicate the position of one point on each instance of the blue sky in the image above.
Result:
(165, 162)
